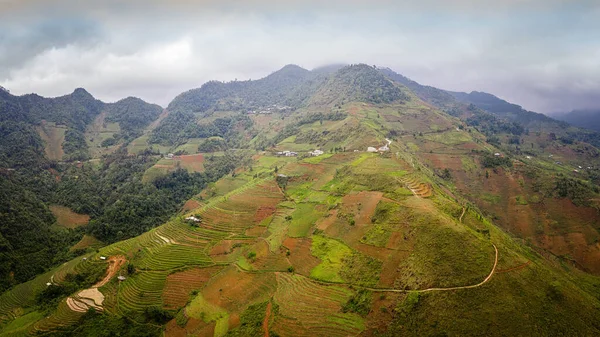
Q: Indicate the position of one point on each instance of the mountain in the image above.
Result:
(589, 119)
(420, 215)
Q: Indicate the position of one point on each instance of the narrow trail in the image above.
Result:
(521, 266)
(442, 289)
(463, 213)
(266, 321)
(92, 297)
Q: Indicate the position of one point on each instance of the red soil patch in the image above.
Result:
(395, 239)
(114, 264)
(353, 111)
(327, 221)
(67, 218)
(442, 161)
(266, 260)
(194, 327)
(234, 321)
(362, 204)
(266, 321)
(224, 247)
(256, 231)
(179, 285)
(300, 256)
(191, 205)
(233, 289)
(379, 318)
(263, 212)
(390, 270)
(55, 174)
(192, 162)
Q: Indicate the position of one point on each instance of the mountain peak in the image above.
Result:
(82, 93)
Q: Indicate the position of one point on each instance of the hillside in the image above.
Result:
(589, 119)
(459, 223)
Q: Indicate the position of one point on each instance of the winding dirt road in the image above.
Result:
(442, 289)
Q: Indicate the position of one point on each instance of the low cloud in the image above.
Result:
(543, 55)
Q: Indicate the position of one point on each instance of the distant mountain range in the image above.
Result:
(589, 119)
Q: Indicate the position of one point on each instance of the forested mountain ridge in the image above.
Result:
(223, 219)
(587, 118)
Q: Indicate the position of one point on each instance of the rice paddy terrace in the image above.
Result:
(328, 253)
(344, 244)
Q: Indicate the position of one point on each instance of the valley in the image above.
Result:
(207, 220)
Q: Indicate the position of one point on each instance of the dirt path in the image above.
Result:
(115, 263)
(92, 297)
(443, 289)
(266, 321)
(521, 266)
(463, 213)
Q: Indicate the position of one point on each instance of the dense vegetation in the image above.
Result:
(28, 244)
(360, 83)
(180, 126)
(289, 86)
(133, 115)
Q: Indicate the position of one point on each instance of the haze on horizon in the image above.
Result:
(541, 54)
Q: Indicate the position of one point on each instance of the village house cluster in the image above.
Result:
(270, 109)
(384, 148)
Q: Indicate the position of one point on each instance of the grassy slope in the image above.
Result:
(353, 214)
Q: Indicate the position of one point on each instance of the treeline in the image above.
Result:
(28, 244)
(262, 142)
(133, 116)
(120, 205)
(360, 83)
(290, 86)
(178, 127)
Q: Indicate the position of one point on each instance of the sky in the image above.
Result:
(541, 54)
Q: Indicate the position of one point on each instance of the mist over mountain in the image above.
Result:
(260, 168)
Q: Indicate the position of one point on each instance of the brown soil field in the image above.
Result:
(379, 318)
(192, 162)
(263, 212)
(179, 285)
(266, 260)
(442, 161)
(327, 221)
(362, 204)
(191, 205)
(223, 247)
(300, 256)
(308, 302)
(65, 217)
(194, 327)
(114, 264)
(233, 289)
(266, 320)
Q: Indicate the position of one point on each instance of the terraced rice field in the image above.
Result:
(141, 290)
(315, 308)
(419, 189)
(179, 285)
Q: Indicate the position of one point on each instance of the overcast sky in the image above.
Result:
(541, 54)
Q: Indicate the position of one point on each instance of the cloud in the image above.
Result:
(540, 54)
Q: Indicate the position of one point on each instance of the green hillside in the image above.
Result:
(419, 218)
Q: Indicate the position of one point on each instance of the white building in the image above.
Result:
(371, 149)
(192, 218)
(316, 153)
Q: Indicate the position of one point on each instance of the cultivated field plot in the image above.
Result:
(338, 230)
(65, 217)
(53, 136)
